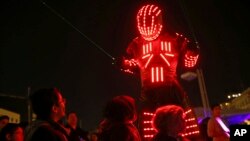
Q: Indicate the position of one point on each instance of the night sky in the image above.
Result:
(38, 49)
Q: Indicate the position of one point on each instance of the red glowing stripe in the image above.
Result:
(190, 119)
(163, 57)
(166, 46)
(146, 122)
(162, 74)
(149, 60)
(150, 46)
(155, 9)
(169, 46)
(168, 54)
(157, 74)
(188, 111)
(162, 47)
(150, 9)
(192, 126)
(148, 114)
(158, 12)
(143, 47)
(152, 24)
(142, 10)
(146, 48)
(148, 136)
(148, 129)
(152, 75)
(146, 56)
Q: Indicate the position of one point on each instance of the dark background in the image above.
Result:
(38, 49)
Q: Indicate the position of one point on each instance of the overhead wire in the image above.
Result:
(75, 28)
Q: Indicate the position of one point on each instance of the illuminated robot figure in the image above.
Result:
(156, 56)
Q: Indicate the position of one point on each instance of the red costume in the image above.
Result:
(156, 56)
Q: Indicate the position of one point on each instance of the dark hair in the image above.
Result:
(215, 105)
(4, 117)
(120, 108)
(10, 128)
(43, 100)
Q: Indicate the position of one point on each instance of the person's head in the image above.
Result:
(4, 120)
(93, 136)
(216, 110)
(72, 119)
(121, 109)
(169, 120)
(12, 132)
(48, 104)
(149, 22)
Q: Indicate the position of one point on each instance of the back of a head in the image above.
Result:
(10, 128)
(4, 119)
(120, 109)
(214, 106)
(169, 119)
(43, 100)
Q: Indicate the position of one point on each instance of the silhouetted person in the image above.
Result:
(76, 133)
(215, 129)
(12, 132)
(49, 106)
(119, 114)
(169, 121)
(203, 130)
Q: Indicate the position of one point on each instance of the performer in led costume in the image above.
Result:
(156, 55)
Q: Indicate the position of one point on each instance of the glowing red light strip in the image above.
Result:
(146, 122)
(155, 9)
(166, 46)
(157, 74)
(161, 74)
(150, 46)
(146, 48)
(188, 111)
(148, 129)
(149, 114)
(190, 119)
(145, 56)
(149, 60)
(152, 24)
(152, 75)
(171, 55)
(143, 47)
(162, 47)
(148, 136)
(142, 10)
(163, 57)
(169, 46)
(192, 126)
(158, 12)
(150, 9)
(190, 133)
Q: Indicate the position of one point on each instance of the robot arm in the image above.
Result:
(191, 55)
(129, 63)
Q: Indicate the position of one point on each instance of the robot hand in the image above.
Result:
(191, 58)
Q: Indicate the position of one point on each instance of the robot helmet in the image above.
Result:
(149, 22)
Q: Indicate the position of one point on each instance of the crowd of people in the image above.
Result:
(118, 121)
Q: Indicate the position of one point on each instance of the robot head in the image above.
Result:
(149, 22)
